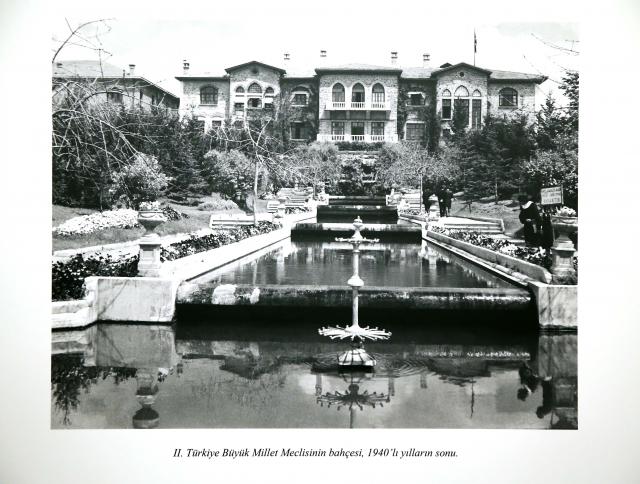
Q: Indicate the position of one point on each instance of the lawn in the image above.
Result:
(198, 219)
(507, 210)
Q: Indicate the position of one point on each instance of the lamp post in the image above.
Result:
(357, 356)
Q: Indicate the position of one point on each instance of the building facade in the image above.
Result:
(358, 102)
(105, 83)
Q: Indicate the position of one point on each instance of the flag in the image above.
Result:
(475, 42)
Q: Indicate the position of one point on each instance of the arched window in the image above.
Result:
(377, 93)
(508, 98)
(337, 93)
(357, 93)
(239, 90)
(446, 104)
(461, 91)
(255, 88)
(268, 91)
(208, 95)
(114, 96)
(476, 93)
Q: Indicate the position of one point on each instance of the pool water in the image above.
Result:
(331, 263)
(205, 375)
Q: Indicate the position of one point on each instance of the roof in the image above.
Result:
(462, 64)
(516, 76)
(85, 68)
(417, 72)
(96, 69)
(359, 68)
(240, 66)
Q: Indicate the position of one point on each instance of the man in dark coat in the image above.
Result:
(531, 219)
(441, 201)
(448, 196)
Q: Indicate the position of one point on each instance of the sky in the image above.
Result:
(213, 42)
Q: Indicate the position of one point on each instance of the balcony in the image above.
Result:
(359, 138)
(357, 106)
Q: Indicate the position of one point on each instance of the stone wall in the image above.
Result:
(526, 98)
(190, 100)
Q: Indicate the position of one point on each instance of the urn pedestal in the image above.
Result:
(563, 248)
(149, 264)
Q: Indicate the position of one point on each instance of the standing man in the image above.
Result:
(441, 201)
(448, 196)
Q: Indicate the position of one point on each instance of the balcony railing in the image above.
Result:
(360, 138)
(359, 106)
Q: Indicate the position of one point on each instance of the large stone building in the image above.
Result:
(358, 102)
(104, 82)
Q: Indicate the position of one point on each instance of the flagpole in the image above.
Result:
(475, 42)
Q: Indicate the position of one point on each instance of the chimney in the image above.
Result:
(323, 54)
(185, 67)
(394, 58)
(132, 69)
(425, 60)
(286, 57)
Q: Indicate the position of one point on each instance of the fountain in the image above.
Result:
(357, 356)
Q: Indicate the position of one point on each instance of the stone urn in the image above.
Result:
(150, 219)
(149, 264)
(563, 248)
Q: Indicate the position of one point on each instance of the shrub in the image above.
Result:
(172, 214)
(67, 278)
(141, 181)
(216, 202)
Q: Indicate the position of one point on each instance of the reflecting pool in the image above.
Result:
(330, 263)
(201, 375)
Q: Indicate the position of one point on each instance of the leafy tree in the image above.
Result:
(140, 181)
(549, 124)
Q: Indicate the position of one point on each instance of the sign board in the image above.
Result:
(551, 196)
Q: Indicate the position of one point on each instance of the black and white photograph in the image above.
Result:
(306, 231)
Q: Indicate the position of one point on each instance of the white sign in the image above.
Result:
(551, 196)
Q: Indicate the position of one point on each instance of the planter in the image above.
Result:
(564, 226)
(149, 264)
(150, 219)
(563, 248)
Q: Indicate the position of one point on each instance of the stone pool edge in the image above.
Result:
(556, 305)
(153, 299)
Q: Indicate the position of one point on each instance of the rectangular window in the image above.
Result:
(255, 103)
(299, 100)
(298, 131)
(461, 108)
(446, 109)
(416, 100)
(476, 113)
(114, 97)
(415, 132)
(377, 129)
(238, 108)
(268, 106)
(357, 128)
(216, 124)
(337, 127)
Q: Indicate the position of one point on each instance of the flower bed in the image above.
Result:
(292, 210)
(534, 255)
(201, 243)
(123, 218)
(67, 278)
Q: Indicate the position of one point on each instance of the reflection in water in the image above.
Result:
(330, 263)
(351, 398)
(199, 380)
